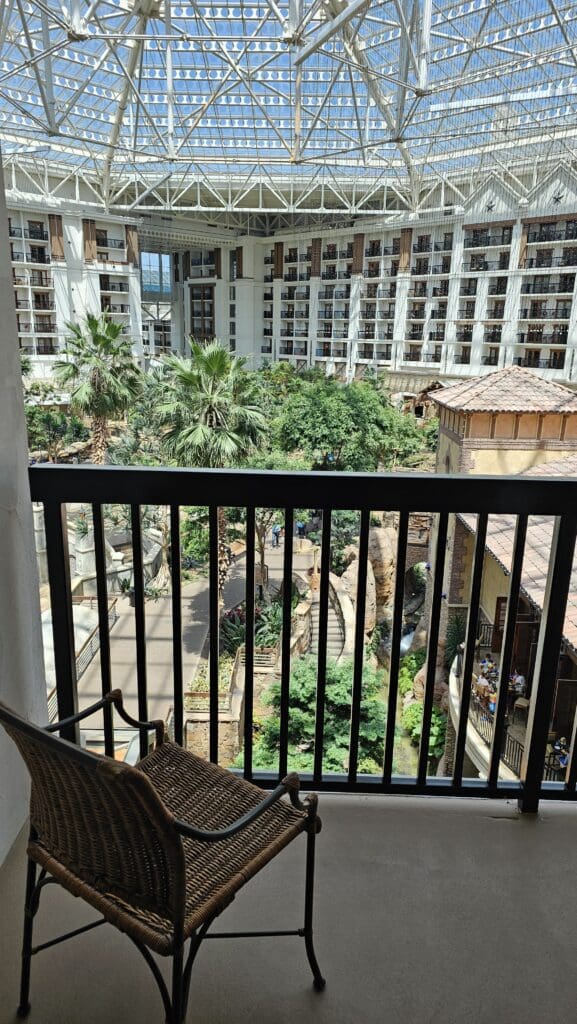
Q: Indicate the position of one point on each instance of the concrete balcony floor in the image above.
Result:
(428, 911)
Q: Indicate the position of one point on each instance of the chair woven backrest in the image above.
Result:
(101, 820)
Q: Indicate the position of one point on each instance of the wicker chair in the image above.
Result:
(159, 849)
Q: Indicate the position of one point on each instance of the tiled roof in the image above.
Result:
(500, 542)
(514, 389)
(567, 466)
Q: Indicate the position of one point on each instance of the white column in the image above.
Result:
(22, 682)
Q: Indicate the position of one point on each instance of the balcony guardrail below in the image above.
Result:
(96, 487)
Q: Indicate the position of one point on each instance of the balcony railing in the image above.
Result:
(546, 287)
(542, 338)
(482, 265)
(544, 262)
(541, 364)
(545, 313)
(480, 241)
(56, 486)
(552, 235)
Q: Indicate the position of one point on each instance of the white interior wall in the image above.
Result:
(22, 683)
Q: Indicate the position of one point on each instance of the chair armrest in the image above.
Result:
(114, 697)
(288, 785)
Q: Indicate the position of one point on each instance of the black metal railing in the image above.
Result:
(99, 487)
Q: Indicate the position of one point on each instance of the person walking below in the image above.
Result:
(276, 532)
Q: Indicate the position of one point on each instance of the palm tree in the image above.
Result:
(209, 407)
(101, 374)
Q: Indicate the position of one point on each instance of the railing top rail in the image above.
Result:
(263, 488)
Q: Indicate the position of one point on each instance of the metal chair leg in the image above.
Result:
(29, 912)
(318, 980)
(177, 1013)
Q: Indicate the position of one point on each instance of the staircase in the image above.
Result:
(335, 638)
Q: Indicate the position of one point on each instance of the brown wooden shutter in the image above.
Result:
(56, 236)
(89, 232)
(217, 263)
(239, 270)
(523, 245)
(132, 253)
(186, 265)
(358, 253)
(316, 250)
(278, 259)
(405, 250)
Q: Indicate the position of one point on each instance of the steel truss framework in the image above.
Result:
(284, 109)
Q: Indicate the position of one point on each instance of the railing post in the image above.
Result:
(546, 662)
(58, 561)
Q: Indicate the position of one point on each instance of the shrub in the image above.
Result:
(303, 684)
(269, 625)
(412, 721)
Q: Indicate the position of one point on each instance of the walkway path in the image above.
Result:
(158, 615)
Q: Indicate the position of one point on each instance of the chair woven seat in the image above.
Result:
(160, 849)
(211, 798)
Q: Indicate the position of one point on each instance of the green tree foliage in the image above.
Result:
(412, 722)
(347, 427)
(208, 407)
(303, 686)
(409, 666)
(194, 535)
(139, 444)
(431, 433)
(100, 373)
(52, 431)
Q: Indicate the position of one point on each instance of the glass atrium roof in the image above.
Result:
(407, 91)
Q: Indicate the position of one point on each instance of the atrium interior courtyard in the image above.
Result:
(379, 191)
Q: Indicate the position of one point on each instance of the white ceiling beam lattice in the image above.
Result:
(152, 103)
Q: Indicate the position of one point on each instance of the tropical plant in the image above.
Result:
(25, 364)
(208, 409)
(410, 664)
(301, 726)
(456, 630)
(100, 373)
(194, 535)
(412, 722)
(269, 625)
(51, 431)
(233, 630)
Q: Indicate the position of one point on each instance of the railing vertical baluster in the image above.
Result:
(249, 643)
(322, 646)
(396, 634)
(432, 647)
(547, 660)
(140, 623)
(58, 563)
(357, 693)
(286, 641)
(214, 623)
(176, 602)
(507, 649)
(470, 641)
(103, 630)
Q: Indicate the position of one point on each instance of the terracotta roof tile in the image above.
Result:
(514, 389)
(500, 542)
(567, 466)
